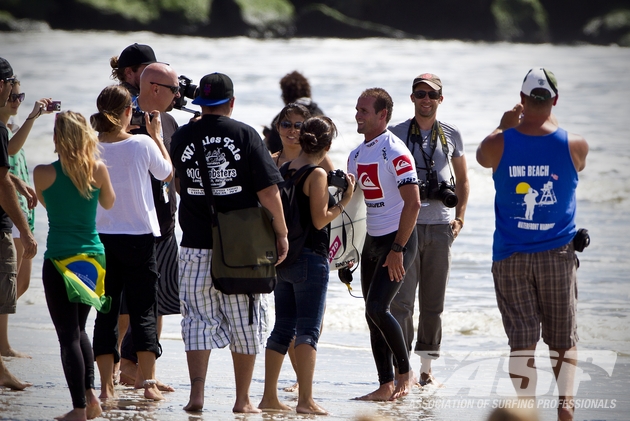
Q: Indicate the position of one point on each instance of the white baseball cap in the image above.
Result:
(540, 78)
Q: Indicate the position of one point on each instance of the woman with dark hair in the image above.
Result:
(300, 295)
(71, 189)
(289, 123)
(127, 230)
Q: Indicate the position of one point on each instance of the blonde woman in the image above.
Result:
(71, 189)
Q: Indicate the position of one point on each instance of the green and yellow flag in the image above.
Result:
(84, 275)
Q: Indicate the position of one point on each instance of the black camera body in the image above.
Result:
(187, 89)
(442, 191)
(337, 178)
(137, 118)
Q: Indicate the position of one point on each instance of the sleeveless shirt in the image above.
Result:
(71, 219)
(535, 199)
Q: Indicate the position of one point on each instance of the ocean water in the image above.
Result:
(481, 81)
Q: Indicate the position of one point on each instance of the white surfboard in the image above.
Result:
(340, 255)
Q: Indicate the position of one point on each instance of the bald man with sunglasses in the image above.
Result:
(438, 151)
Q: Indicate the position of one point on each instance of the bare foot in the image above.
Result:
(404, 383)
(152, 392)
(295, 387)
(272, 405)
(77, 414)
(13, 353)
(565, 409)
(193, 407)
(128, 372)
(428, 379)
(9, 380)
(108, 392)
(383, 393)
(247, 408)
(161, 386)
(93, 408)
(311, 408)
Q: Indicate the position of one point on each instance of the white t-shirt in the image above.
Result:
(129, 163)
(381, 167)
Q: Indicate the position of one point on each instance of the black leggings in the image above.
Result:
(386, 335)
(69, 319)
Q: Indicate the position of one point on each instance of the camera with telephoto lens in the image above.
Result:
(187, 89)
(442, 191)
(337, 178)
(137, 118)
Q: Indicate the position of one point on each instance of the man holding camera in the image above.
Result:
(159, 86)
(533, 257)
(10, 211)
(128, 66)
(442, 173)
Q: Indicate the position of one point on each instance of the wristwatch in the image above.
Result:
(398, 248)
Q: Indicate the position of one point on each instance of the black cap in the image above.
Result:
(214, 89)
(6, 71)
(136, 54)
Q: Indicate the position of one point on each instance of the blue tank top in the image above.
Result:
(535, 186)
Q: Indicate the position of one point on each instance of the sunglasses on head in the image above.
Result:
(422, 94)
(17, 97)
(286, 124)
(174, 89)
(10, 80)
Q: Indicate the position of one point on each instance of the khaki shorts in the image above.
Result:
(8, 274)
(535, 289)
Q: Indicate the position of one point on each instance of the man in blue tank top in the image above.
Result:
(535, 165)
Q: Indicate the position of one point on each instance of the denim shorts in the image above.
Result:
(300, 300)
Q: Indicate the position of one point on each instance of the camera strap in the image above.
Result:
(414, 135)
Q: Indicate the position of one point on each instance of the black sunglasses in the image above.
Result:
(174, 89)
(17, 97)
(10, 80)
(422, 94)
(286, 124)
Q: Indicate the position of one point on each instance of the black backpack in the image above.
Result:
(289, 195)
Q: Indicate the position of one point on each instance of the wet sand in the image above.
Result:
(343, 372)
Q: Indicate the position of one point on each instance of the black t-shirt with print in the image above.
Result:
(239, 165)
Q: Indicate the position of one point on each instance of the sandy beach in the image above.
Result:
(472, 386)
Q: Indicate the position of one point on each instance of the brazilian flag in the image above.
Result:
(84, 275)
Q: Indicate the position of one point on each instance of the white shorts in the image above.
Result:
(212, 319)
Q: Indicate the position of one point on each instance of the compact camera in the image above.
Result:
(337, 178)
(137, 118)
(186, 90)
(54, 106)
(442, 191)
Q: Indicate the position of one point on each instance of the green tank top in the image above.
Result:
(71, 219)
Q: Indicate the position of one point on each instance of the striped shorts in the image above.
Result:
(535, 289)
(212, 319)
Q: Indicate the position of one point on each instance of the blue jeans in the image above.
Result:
(300, 297)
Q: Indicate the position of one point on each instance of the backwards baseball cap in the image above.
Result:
(6, 71)
(430, 79)
(542, 81)
(136, 54)
(214, 89)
